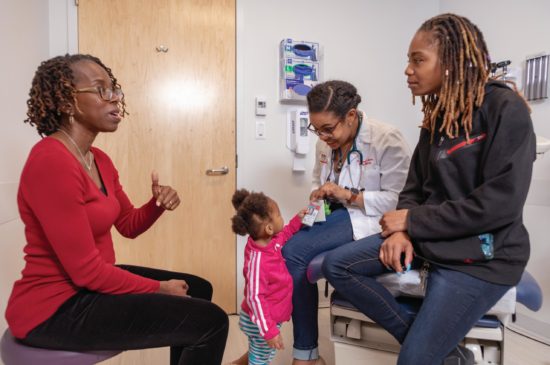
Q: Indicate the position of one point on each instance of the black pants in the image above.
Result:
(194, 328)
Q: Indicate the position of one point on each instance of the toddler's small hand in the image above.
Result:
(276, 342)
(302, 213)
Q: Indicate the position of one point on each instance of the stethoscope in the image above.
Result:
(352, 150)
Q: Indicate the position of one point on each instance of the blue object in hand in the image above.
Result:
(487, 245)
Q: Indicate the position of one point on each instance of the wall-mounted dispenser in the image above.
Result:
(297, 136)
(300, 50)
(299, 68)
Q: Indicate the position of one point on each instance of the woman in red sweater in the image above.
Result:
(71, 295)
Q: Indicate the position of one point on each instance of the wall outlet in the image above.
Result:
(260, 129)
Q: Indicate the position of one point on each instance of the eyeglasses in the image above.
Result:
(325, 131)
(106, 94)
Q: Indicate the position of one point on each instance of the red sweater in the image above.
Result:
(68, 224)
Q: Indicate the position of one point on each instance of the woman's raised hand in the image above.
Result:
(165, 196)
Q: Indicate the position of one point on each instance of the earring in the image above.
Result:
(447, 72)
(71, 119)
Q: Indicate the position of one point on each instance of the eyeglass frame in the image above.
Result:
(325, 131)
(117, 92)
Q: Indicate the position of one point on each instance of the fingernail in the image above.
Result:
(158, 203)
(399, 273)
(408, 267)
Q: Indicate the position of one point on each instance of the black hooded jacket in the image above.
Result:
(458, 190)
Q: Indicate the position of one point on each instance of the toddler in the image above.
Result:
(268, 285)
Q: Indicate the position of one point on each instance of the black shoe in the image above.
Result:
(460, 356)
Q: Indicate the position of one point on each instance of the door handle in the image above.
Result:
(221, 171)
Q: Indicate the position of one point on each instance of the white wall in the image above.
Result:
(514, 30)
(365, 42)
(24, 44)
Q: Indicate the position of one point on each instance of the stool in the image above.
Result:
(15, 353)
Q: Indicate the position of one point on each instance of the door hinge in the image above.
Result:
(75, 2)
(236, 161)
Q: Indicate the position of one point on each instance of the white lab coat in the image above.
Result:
(386, 158)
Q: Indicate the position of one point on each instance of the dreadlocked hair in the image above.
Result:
(252, 210)
(464, 57)
(53, 87)
(334, 96)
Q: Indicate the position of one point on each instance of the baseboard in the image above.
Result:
(531, 328)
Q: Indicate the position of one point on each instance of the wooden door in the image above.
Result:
(175, 60)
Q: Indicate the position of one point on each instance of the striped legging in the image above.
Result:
(259, 353)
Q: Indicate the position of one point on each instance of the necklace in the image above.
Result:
(340, 162)
(87, 164)
(341, 158)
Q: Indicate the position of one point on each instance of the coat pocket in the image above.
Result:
(465, 250)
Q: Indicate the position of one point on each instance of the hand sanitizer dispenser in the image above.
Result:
(301, 132)
(298, 136)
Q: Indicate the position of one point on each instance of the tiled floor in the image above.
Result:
(519, 350)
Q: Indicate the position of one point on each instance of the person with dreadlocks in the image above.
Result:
(268, 286)
(71, 295)
(459, 215)
(361, 165)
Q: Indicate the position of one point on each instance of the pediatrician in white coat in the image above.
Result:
(360, 167)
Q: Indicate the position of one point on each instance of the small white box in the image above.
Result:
(315, 213)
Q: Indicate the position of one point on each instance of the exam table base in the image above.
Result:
(358, 340)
